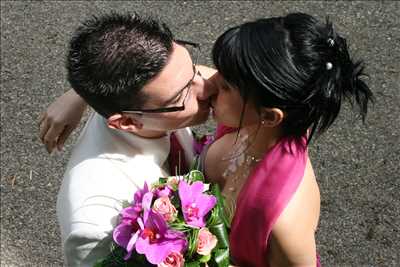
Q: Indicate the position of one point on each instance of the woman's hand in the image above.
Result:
(60, 119)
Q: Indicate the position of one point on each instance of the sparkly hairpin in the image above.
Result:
(331, 42)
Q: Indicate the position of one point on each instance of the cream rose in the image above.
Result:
(174, 259)
(173, 181)
(206, 241)
(163, 206)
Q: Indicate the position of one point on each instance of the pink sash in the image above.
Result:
(265, 194)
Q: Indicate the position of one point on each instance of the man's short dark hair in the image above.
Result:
(111, 57)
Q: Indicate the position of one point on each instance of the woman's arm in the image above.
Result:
(60, 119)
(292, 246)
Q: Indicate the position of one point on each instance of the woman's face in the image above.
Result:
(227, 105)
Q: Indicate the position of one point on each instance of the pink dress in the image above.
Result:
(262, 199)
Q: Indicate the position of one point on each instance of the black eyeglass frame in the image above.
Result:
(188, 86)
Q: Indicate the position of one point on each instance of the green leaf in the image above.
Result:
(205, 258)
(125, 204)
(195, 164)
(175, 200)
(162, 180)
(219, 230)
(220, 205)
(195, 175)
(192, 264)
(116, 259)
(220, 258)
(192, 242)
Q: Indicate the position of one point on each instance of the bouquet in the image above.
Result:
(179, 221)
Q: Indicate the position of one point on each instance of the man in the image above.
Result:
(142, 85)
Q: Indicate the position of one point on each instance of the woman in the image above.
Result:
(280, 81)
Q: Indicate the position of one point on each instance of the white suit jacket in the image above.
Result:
(106, 167)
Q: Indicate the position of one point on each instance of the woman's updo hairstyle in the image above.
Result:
(295, 63)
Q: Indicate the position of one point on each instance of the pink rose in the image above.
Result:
(174, 259)
(163, 206)
(206, 241)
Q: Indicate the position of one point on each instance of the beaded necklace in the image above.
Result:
(239, 158)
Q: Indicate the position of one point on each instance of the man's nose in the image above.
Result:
(206, 89)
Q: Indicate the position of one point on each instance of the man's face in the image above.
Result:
(177, 84)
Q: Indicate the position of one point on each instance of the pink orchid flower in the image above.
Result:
(195, 203)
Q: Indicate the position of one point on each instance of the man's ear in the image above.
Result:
(272, 117)
(124, 122)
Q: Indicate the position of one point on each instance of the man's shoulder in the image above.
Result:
(102, 180)
(105, 165)
(95, 164)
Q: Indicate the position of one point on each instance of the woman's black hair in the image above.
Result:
(295, 63)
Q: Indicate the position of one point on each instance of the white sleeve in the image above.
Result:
(88, 206)
(85, 248)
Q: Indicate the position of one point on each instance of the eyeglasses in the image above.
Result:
(194, 50)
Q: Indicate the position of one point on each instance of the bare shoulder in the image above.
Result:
(293, 234)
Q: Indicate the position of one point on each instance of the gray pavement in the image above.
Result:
(357, 165)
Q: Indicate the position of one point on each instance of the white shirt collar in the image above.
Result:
(125, 145)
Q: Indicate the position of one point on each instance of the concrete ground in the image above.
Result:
(357, 165)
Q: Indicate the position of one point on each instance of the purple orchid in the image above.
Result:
(195, 204)
(199, 144)
(138, 197)
(164, 191)
(156, 240)
(126, 233)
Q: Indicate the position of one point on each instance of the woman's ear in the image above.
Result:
(124, 123)
(271, 117)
